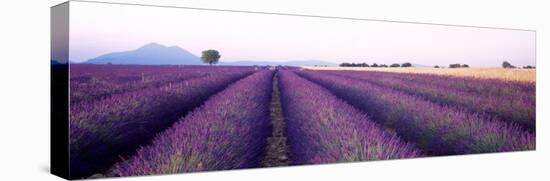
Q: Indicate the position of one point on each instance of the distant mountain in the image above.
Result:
(150, 54)
(287, 63)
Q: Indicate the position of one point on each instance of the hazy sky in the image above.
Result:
(97, 29)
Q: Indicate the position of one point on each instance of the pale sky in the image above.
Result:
(97, 29)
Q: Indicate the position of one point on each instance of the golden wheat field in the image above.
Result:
(522, 75)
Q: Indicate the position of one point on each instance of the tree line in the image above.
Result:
(508, 65)
(212, 57)
(347, 64)
(505, 64)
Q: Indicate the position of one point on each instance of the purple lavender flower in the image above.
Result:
(323, 129)
(228, 131)
(435, 128)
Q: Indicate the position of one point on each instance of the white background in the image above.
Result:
(24, 96)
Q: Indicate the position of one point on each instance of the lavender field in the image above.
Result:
(129, 120)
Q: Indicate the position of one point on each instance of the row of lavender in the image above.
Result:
(512, 102)
(436, 129)
(228, 131)
(324, 129)
(103, 130)
(92, 82)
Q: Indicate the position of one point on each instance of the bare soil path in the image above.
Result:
(277, 149)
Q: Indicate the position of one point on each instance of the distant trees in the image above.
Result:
(406, 64)
(347, 64)
(457, 65)
(210, 56)
(395, 65)
(507, 65)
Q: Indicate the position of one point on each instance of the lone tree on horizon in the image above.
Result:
(210, 56)
(507, 64)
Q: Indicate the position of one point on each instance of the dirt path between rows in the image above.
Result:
(277, 149)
